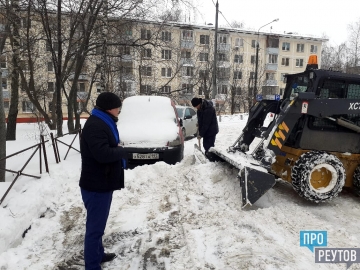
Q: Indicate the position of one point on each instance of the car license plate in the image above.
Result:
(146, 156)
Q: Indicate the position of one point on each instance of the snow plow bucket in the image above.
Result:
(254, 184)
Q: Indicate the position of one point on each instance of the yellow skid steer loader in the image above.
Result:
(313, 141)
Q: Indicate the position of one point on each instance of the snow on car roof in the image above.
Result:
(148, 121)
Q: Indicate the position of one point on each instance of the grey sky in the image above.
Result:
(305, 17)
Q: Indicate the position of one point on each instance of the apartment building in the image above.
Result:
(177, 60)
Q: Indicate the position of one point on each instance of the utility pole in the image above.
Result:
(215, 52)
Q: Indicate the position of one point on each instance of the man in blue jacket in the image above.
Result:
(207, 122)
(102, 172)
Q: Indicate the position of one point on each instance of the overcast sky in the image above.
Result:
(306, 17)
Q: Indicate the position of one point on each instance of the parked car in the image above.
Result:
(189, 120)
(150, 130)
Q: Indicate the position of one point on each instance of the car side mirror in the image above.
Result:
(181, 122)
(188, 117)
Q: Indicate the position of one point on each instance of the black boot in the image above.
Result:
(108, 257)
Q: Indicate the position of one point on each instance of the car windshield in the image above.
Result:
(180, 112)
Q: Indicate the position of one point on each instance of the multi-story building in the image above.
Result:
(177, 60)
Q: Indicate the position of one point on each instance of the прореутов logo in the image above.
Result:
(317, 241)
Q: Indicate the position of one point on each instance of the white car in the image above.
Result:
(189, 120)
(150, 130)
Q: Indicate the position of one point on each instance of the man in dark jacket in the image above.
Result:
(207, 122)
(102, 172)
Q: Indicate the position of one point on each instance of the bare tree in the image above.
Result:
(354, 43)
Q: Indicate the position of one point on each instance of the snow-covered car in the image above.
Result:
(189, 120)
(150, 130)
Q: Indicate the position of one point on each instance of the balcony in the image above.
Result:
(187, 44)
(272, 50)
(82, 77)
(270, 82)
(4, 72)
(271, 67)
(82, 96)
(187, 62)
(223, 47)
(126, 58)
(6, 95)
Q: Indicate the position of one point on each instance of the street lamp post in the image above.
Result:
(257, 56)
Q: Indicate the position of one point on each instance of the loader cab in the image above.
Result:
(296, 83)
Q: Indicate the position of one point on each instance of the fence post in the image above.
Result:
(45, 156)
(54, 147)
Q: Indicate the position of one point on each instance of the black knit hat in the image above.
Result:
(196, 101)
(108, 101)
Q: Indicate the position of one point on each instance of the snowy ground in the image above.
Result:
(184, 216)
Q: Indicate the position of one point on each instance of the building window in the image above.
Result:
(222, 89)
(6, 105)
(299, 63)
(237, 75)
(187, 88)
(204, 57)
(125, 50)
(313, 48)
(238, 91)
(223, 39)
(252, 59)
(238, 58)
(27, 107)
(299, 47)
(223, 73)
(81, 87)
(273, 58)
(165, 89)
(203, 74)
(186, 54)
(270, 76)
(50, 66)
(204, 39)
(166, 72)
(146, 71)
(4, 83)
(253, 43)
(51, 87)
(145, 89)
(285, 61)
(98, 88)
(26, 22)
(221, 57)
(145, 34)
(126, 70)
(239, 42)
(166, 36)
(201, 91)
(252, 75)
(166, 54)
(146, 53)
(187, 35)
(3, 62)
(188, 71)
(286, 46)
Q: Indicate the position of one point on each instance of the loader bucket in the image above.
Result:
(254, 184)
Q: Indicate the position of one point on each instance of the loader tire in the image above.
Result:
(356, 181)
(318, 176)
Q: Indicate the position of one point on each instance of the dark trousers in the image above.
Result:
(208, 141)
(97, 206)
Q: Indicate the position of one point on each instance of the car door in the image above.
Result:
(190, 122)
(194, 121)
